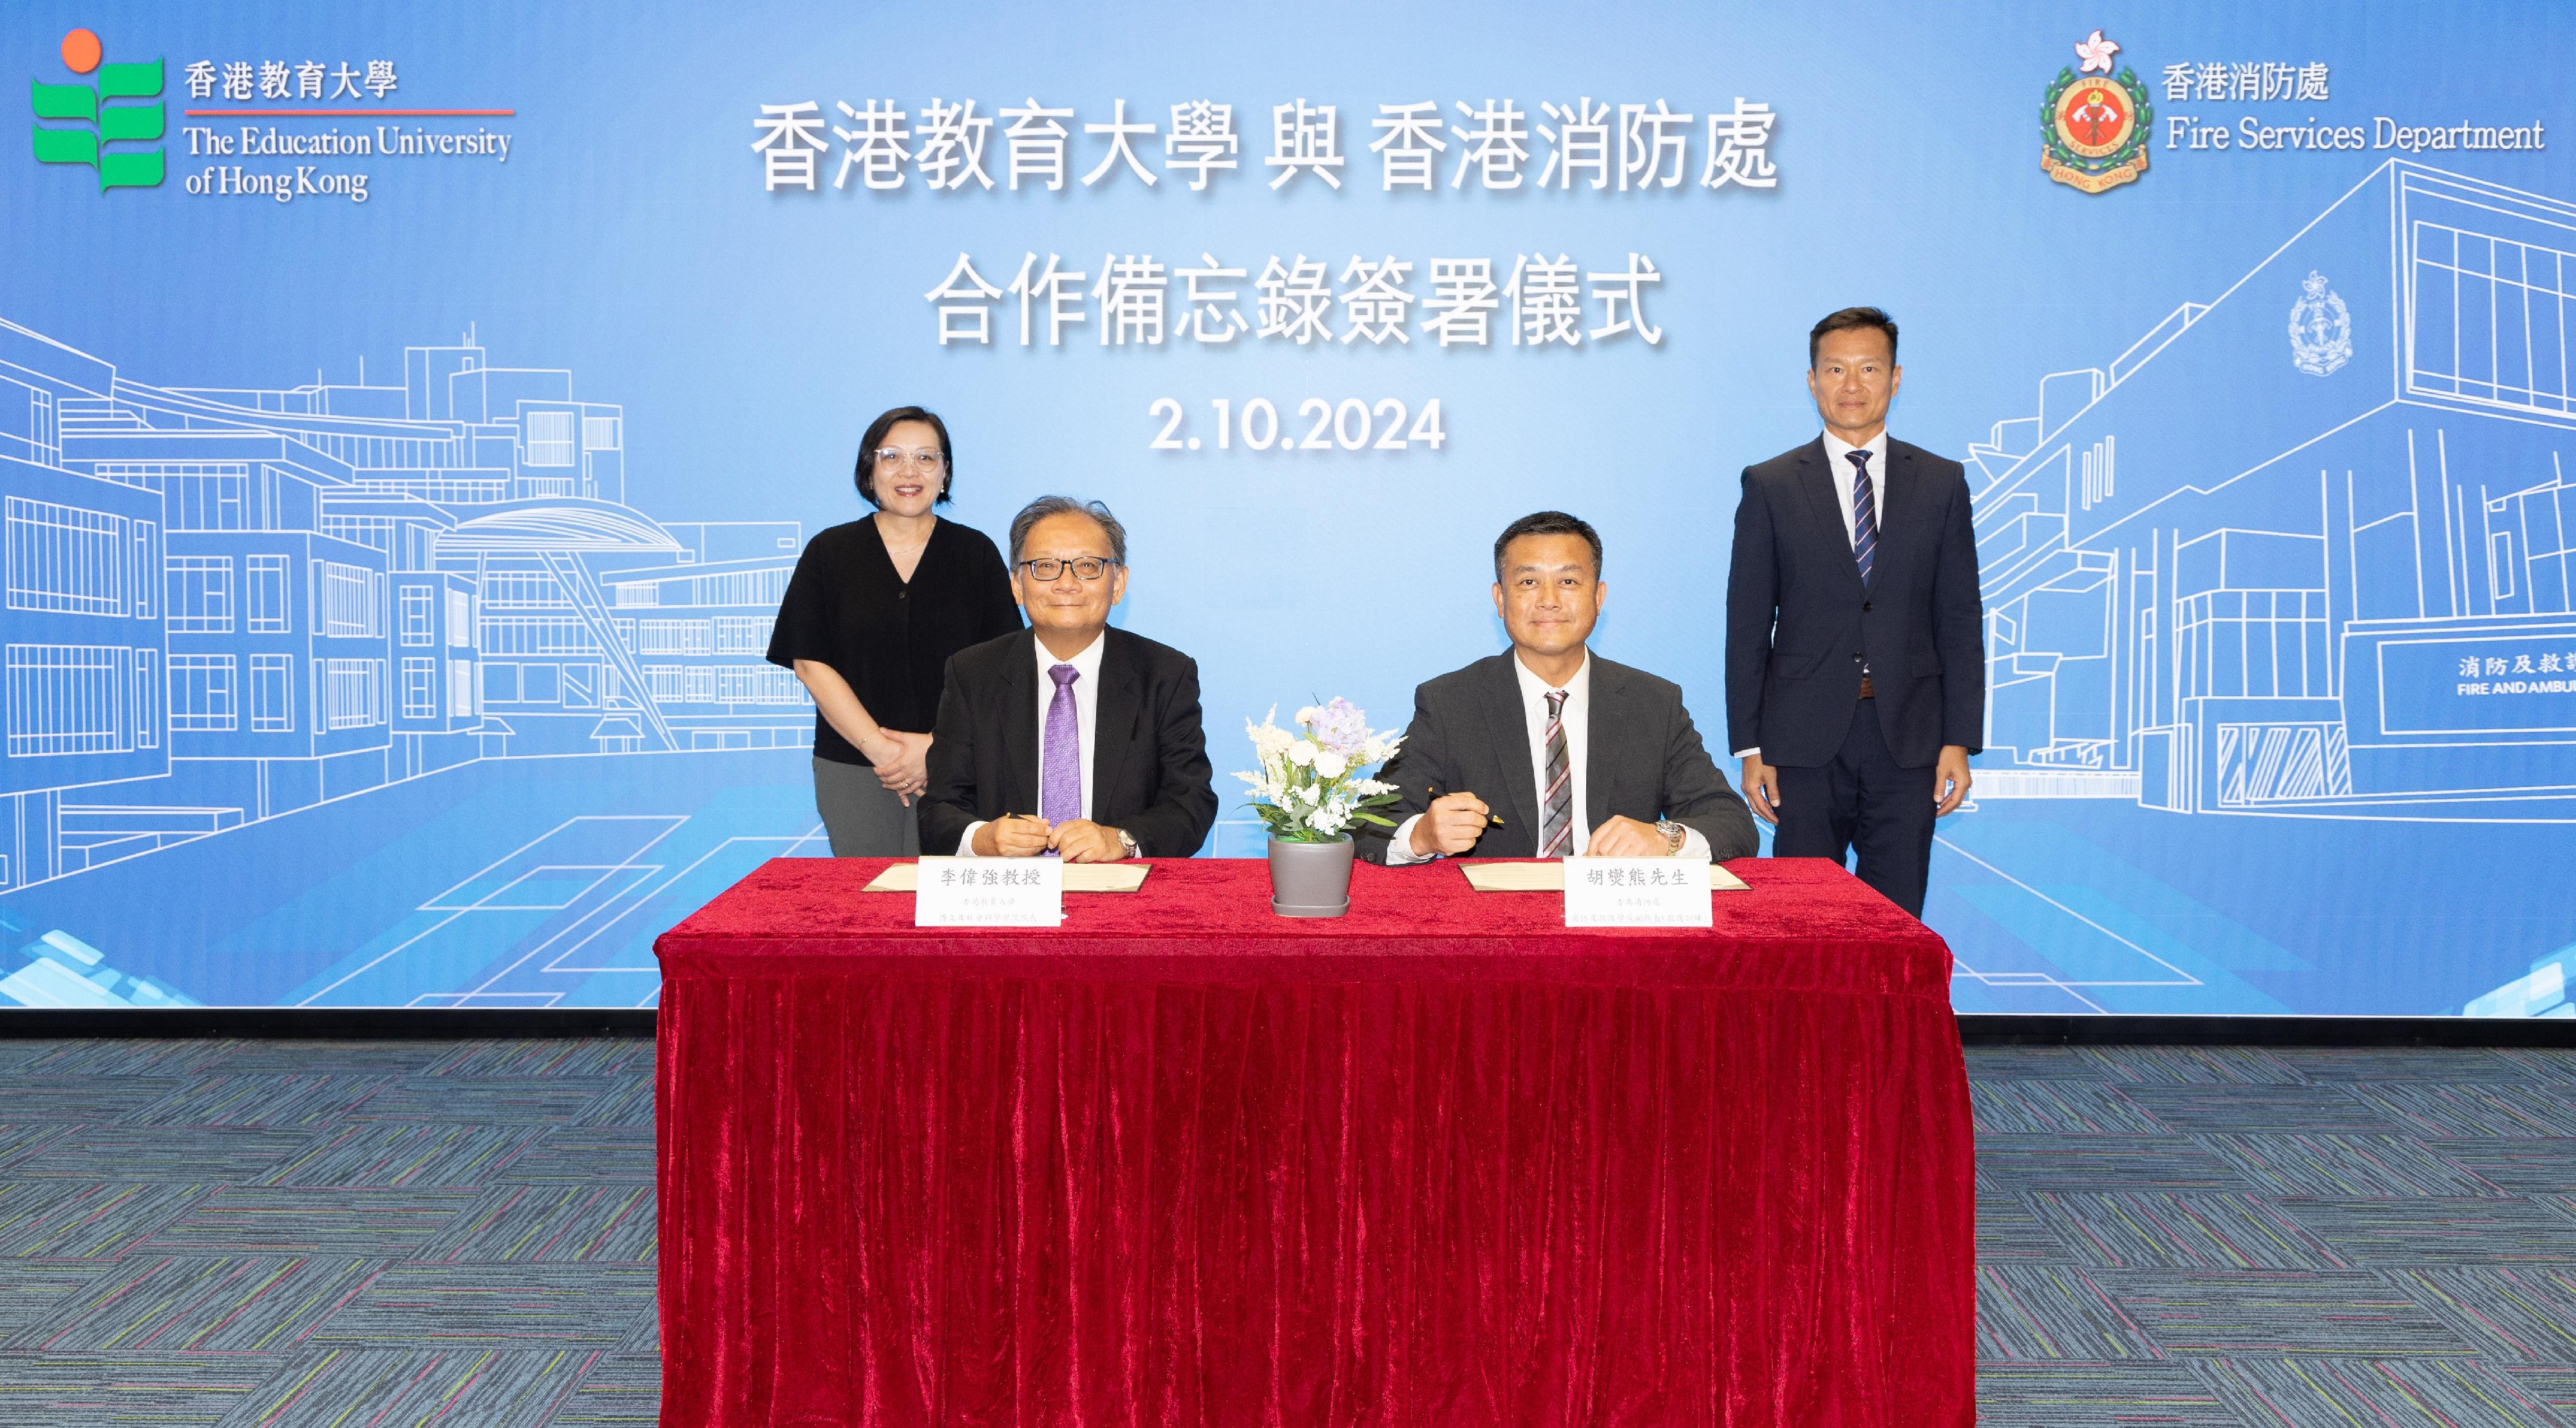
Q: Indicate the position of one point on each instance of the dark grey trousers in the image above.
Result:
(864, 819)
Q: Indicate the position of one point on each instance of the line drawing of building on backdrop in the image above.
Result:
(2307, 549)
(226, 604)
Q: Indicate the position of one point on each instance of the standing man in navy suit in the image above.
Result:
(1855, 652)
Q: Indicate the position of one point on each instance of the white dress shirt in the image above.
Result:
(1838, 461)
(1086, 712)
(1577, 719)
(1838, 464)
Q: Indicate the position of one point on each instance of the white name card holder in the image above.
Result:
(989, 892)
(1637, 892)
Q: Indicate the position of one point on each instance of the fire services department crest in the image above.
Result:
(2094, 127)
(2320, 328)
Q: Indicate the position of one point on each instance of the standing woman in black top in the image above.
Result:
(871, 616)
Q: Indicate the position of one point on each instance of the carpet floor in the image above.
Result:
(461, 1233)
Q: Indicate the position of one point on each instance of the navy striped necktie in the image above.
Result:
(1864, 514)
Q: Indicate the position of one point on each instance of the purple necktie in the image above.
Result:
(1060, 781)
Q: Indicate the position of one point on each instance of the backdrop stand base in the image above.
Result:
(1979, 1029)
(351, 1023)
(1994, 1029)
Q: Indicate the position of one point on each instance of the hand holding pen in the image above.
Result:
(1452, 824)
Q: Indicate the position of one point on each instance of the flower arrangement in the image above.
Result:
(1311, 787)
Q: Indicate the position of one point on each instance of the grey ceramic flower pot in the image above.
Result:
(1310, 879)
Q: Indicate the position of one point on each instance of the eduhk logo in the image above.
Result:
(98, 122)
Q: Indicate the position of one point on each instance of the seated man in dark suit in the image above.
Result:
(1068, 737)
(1576, 754)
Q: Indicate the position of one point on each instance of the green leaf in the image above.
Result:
(66, 146)
(129, 81)
(143, 170)
(130, 121)
(65, 101)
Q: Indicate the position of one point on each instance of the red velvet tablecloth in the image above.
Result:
(1440, 1162)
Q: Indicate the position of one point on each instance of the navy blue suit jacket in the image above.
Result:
(1799, 625)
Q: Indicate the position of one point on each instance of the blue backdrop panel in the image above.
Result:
(409, 417)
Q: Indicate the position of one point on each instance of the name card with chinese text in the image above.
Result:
(1124, 877)
(1637, 892)
(1512, 875)
(989, 892)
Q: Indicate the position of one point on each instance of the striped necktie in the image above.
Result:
(1864, 514)
(1556, 824)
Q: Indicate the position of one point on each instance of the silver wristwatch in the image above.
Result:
(1127, 841)
(1673, 835)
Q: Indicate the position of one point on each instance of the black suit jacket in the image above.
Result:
(1642, 759)
(1799, 624)
(1149, 764)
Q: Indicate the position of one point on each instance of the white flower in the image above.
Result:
(2096, 53)
(1303, 768)
(1266, 735)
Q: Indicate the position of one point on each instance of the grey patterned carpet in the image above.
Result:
(405, 1233)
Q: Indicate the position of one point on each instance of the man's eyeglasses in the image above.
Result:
(896, 458)
(1088, 567)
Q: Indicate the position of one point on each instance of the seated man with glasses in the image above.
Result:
(1069, 737)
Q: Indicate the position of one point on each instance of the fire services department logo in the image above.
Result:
(2094, 131)
(2320, 328)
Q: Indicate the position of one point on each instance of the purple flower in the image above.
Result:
(1342, 727)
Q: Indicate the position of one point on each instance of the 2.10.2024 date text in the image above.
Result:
(1352, 424)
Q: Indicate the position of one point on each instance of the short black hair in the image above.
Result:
(877, 430)
(1846, 320)
(1548, 523)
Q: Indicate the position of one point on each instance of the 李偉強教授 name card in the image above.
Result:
(989, 892)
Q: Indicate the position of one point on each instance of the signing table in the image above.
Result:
(1440, 1162)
